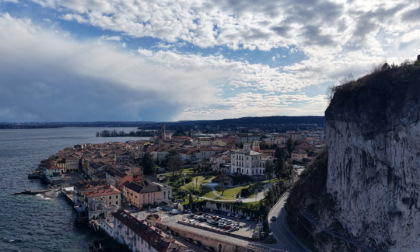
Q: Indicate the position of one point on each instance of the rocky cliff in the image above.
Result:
(373, 134)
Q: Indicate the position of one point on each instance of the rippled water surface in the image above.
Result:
(35, 223)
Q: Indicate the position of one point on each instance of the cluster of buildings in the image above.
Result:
(118, 163)
(95, 198)
(110, 173)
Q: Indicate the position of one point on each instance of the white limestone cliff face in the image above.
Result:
(375, 180)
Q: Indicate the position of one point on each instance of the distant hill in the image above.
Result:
(245, 122)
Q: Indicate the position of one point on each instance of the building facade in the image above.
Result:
(144, 193)
(140, 237)
(247, 162)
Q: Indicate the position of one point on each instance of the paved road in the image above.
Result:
(285, 239)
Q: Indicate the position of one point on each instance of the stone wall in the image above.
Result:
(218, 244)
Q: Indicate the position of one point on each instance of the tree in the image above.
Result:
(290, 146)
(223, 177)
(190, 200)
(279, 168)
(269, 168)
(148, 164)
(173, 161)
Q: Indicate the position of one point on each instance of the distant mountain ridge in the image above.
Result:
(239, 122)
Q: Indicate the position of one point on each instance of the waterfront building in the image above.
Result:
(139, 236)
(94, 197)
(53, 173)
(100, 201)
(85, 186)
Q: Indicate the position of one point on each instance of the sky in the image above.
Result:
(159, 60)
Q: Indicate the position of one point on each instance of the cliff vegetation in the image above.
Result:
(375, 101)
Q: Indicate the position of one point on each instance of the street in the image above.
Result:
(285, 240)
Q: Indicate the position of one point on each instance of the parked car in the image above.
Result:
(273, 218)
(248, 218)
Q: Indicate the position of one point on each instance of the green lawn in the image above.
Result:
(229, 193)
(207, 192)
(200, 180)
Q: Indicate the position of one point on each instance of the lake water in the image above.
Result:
(33, 223)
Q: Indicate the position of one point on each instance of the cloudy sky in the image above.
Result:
(138, 60)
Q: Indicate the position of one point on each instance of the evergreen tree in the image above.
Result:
(148, 164)
(290, 145)
(269, 169)
(279, 168)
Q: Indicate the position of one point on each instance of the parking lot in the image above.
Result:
(223, 222)
(217, 221)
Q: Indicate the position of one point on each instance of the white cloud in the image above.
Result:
(80, 19)
(337, 38)
(75, 78)
(259, 25)
(112, 38)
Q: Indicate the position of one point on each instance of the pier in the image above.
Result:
(29, 192)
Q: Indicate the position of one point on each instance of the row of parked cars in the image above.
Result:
(215, 221)
(228, 214)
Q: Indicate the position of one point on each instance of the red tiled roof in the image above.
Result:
(108, 190)
(148, 234)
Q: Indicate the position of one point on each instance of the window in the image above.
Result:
(109, 197)
(116, 202)
(116, 196)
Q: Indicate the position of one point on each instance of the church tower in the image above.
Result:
(163, 133)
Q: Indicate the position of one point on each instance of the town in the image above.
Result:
(184, 191)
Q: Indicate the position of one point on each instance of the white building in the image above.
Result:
(140, 237)
(248, 162)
